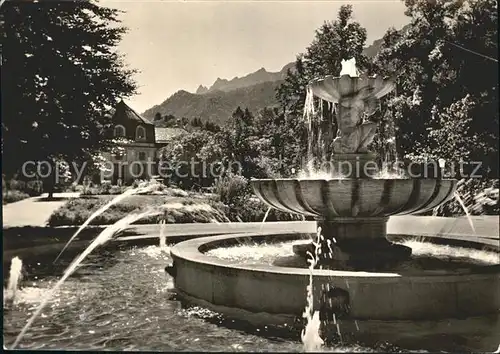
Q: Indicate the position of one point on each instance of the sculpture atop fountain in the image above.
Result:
(353, 211)
(357, 98)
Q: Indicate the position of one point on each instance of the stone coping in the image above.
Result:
(193, 251)
(456, 229)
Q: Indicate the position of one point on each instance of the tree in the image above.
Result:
(60, 75)
(446, 102)
(196, 122)
(278, 139)
(211, 127)
(333, 42)
(189, 158)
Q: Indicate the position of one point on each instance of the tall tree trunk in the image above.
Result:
(52, 181)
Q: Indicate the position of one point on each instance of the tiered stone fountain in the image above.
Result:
(364, 277)
(353, 211)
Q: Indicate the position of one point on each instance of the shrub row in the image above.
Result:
(15, 190)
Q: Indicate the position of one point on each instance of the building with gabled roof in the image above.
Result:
(135, 157)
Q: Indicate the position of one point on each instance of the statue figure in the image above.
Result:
(357, 96)
(354, 130)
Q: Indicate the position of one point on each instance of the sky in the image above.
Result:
(180, 44)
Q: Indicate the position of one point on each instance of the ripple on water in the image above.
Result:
(126, 305)
(254, 253)
(425, 255)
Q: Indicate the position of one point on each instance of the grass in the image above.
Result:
(191, 209)
(175, 210)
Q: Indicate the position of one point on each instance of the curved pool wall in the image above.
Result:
(372, 295)
(405, 309)
(477, 333)
(29, 240)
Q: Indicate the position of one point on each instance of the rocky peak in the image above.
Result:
(201, 90)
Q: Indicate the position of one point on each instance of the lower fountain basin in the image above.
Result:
(372, 295)
(412, 304)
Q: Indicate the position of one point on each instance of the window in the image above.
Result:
(142, 156)
(140, 133)
(119, 131)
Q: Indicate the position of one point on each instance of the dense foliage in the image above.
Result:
(446, 103)
(60, 74)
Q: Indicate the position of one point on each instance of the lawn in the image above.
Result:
(174, 210)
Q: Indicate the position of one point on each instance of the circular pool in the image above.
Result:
(122, 299)
(444, 298)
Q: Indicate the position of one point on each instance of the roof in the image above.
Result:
(122, 111)
(165, 135)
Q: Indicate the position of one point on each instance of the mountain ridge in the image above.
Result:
(217, 106)
(257, 77)
(216, 103)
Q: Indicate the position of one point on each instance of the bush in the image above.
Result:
(34, 188)
(253, 210)
(15, 190)
(232, 190)
(12, 196)
(15, 184)
(240, 205)
(103, 189)
(480, 196)
(76, 211)
(76, 188)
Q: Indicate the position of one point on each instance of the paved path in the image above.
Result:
(33, 211)
(485, 226)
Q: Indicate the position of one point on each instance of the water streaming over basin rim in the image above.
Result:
(106, 305)
(427, 258)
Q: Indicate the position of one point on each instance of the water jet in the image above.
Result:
(364, 277)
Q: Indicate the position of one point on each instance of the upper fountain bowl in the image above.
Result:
(332, 198)
(333, 89)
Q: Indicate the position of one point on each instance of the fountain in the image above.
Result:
(15, 276)
(353, 210)
(373, 284)
(366, 284)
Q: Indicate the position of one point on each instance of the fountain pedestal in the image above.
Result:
(356, 243)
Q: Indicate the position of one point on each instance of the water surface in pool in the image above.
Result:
(124, 300)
